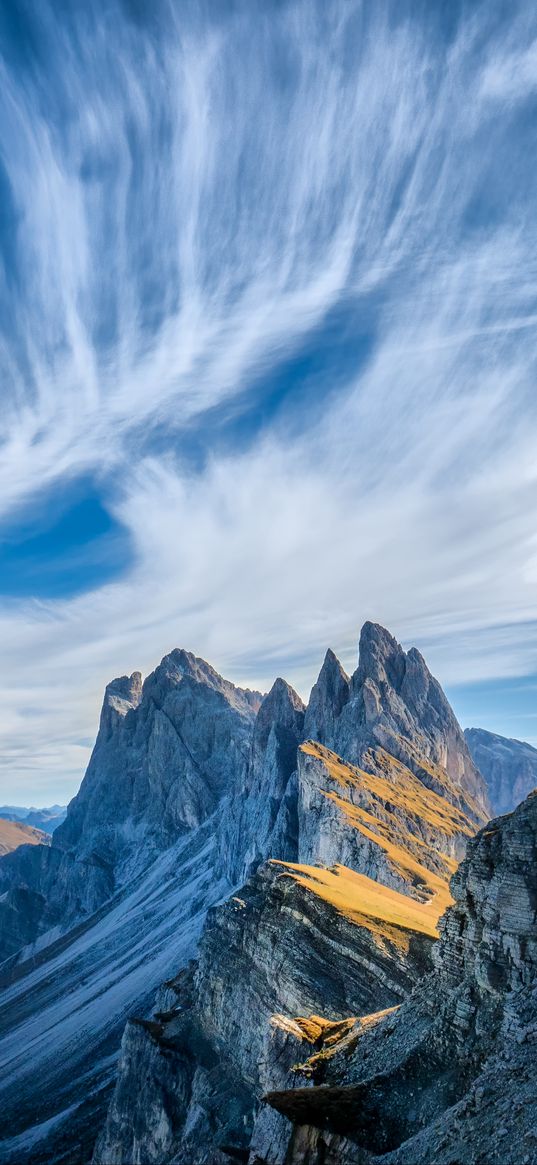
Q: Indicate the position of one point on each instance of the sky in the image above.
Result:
(268, 311)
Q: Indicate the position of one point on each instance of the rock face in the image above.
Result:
(260, 819)
(166, 753)
(391, 712)
(327, 700)
(450, 1075)
(323, 836)
(380, 820)
(279, 945)
(508, 766)
(63, 1011)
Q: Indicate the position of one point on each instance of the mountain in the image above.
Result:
(393, 701)
(165, 754)
(15, 833)
(508, 766)
(259, 859)
(46, 819)
(299, 939)
(451, 1074)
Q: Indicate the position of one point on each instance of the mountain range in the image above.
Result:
(45, 819)
(273, 932)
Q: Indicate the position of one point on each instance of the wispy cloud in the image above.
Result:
(191, 197)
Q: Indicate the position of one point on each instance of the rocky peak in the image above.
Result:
(395, 702)
(281, 710)
(261, 819)
(121, 695)
(381, 658)
(167, 753)
(328, 697)
(182, 667)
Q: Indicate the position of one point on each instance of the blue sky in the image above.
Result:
(268, 302)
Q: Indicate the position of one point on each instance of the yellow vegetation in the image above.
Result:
(439, 774)
(399, 788)
(340, 1038)
(313, 1028)
(385, 913)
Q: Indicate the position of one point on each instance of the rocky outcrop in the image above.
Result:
(508, 766)
(450, 1075)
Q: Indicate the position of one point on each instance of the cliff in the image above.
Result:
(166, 753)
(450, 1075)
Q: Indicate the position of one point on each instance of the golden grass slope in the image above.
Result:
(395, 785)
(15, 833)
(398, 808)
(385, 913)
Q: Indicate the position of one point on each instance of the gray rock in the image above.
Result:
(328, 698)
(166, 753)
(275, 947)
(396, 703)
(261, 818)
(192, 785)
(427, 1082)
(508, 766)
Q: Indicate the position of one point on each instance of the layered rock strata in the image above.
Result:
(451, 1075)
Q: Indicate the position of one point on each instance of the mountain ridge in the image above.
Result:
(195, 791)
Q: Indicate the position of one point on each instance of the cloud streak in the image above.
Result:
(192, 197)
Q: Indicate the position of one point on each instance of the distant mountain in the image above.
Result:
(46, 819)
(508, 766)
(16, 833)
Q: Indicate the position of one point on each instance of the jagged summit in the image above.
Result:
(194, 787)
(166, 753)
(393, 701)
(380, 657)
(328, 697)
(183, 667)
(261, 818)
(121, 696)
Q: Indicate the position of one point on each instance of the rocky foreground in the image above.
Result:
(257, 887)
(450, 1075)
